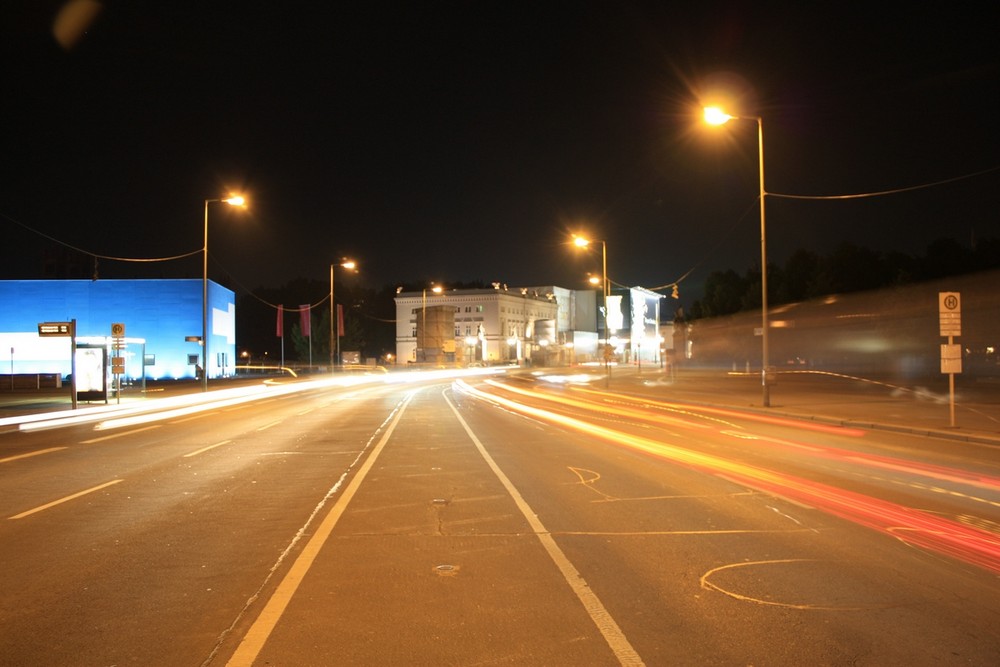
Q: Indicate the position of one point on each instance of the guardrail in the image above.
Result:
(30, 381)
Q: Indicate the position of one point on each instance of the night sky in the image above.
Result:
(460, 141)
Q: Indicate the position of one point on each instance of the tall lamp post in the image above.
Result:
(422, 338)
(232, 200)
(716, 116)
(583, 242)
(350, 265)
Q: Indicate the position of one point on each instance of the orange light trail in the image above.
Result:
(930, 471)
(748, 416)
(635, 414)
(911, 526)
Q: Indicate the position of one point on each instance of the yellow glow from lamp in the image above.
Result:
(716, 116)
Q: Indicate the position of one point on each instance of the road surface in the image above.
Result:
(491, 520)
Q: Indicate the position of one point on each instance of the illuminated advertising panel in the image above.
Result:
(645, 324)
(616, 316)
(91, 372)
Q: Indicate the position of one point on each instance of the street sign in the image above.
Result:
(118, 330)
(951, 359)
(118, 365)
(950, 313)
(55, 328)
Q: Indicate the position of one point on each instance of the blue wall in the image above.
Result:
(163, 312)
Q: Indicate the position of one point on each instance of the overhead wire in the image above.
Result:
(779, 195)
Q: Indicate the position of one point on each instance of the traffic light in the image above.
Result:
(674, 294)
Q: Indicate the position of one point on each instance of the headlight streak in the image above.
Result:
(439, 374)
(910, 526)
(619, 399)
(178, 405)
(746, 416)
(610, 409)
(832, 453)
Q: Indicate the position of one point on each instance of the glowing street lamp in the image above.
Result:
(422, 338)
(716, 116)
(583, 242)
(350, 265)
(232, 200)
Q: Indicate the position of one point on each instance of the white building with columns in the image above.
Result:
(538, 325)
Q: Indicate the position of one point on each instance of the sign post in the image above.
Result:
(950, 318)
(60, 329)
(117, 360)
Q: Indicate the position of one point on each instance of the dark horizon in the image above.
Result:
(444, 143)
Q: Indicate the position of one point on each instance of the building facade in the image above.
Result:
(162, 321)
(491, 326)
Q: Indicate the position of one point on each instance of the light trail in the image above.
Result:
(630, 413)
(926, 470)
(144, 411)
(746, 416)
(911, 526)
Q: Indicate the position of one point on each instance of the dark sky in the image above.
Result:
(458, 141)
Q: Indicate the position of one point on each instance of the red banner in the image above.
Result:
(281, 322)
(340, 319)
(304, 320)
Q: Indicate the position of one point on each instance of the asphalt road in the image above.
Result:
(493, 520)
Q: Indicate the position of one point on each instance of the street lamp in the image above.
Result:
(232, 200)
(350, 265)
(422, 338)
(716, 116)
(583, 242)
(470, 342)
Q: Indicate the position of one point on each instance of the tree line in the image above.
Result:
(847, 268)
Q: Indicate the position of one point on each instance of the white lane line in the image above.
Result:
(119, 435)
(267, 426)
(24, 456)
(200, 415)
(613, 634)
(205, 449)
(249, 648)
(63, 500)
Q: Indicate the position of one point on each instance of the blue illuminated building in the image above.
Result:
(162, 321)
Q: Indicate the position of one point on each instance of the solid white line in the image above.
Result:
(613, 635)
(63, 500)
(199, 415)
(119, 435)
(262, 628)
(205, 449)
(267, 426)
(24, 456)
